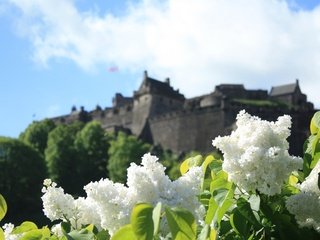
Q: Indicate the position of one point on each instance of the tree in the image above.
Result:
(22, 171)
(36, 134)
(92, 146)
(62, 157)
(123, 150)
(172, 164)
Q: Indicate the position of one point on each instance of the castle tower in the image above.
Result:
(152, 99)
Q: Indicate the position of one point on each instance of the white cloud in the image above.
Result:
(198, 43)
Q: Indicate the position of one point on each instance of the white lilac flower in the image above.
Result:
(113, 201)
(306, 205)
(150, 184)
(146, 183)
(8, 235)
(256, 154)
(57, 230)
(108, 205)
(57, 204)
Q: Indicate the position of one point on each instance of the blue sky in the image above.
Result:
(58, 53)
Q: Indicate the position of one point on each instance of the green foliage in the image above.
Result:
(261, 103)
(3, 207)
(181, 223)
(22, 173)
(25, 227)
(156, 217)
(190, 162)
(238, 215)
(315, 123)
(91, 144)
(142, 222)
(62, 157)
(1, 234)
(3, 211)
(36, 134)
(145, 220)
(311, 146)
(171, 161)
(29, 231)
(125, 232)
(123, 150)
(77, 154)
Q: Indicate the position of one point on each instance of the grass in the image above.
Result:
(260, 103)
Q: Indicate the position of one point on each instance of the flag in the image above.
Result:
(113, 69)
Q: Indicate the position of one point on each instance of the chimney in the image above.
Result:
(145, 74)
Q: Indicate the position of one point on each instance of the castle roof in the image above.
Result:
(150, 85)
(284, 89)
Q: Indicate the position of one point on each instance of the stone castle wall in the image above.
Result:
(162, 116)
(188, 130)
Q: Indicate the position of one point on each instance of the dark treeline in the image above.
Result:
(72, 156)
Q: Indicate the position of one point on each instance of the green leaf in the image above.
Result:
(307, 156)
(181, 223)
(65, 227)
(25, 227)
(123, 233)
(316, 144)
(206, 182)
(91, 228)
(205, 233)
(219, 195)
(221, 201)
(215, 166)
(3, 207)
(213, 234)
(1, 234)
(83, 234)
(315, 123)
(238, 223)
(205, 197)
(54, 237)
(103, 235)
(293, 180)
(142, 222)
(211, 212)
(219, 183)
(156, 216)
(206, 162)
(45, 232)
(195, 161)
(225, 203)
(245, 210)
(35, 234)
(184, 167)
(190, 162)
(315, 160)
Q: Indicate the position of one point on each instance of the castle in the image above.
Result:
(161, 115)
